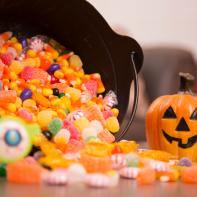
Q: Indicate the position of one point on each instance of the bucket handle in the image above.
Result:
(135, 101)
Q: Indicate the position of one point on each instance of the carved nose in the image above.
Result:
(182, 126)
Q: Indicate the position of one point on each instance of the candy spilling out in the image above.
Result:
(56, 128)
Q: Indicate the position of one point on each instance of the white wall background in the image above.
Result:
(154, 22)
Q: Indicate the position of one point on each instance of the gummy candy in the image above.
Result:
(55, 125)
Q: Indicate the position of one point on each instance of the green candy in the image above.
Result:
(132, 160)
(54, 126)
(61, 95)
(2, 170)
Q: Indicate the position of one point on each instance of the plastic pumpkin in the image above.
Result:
(171, 121)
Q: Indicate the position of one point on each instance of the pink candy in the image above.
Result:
(25, 114)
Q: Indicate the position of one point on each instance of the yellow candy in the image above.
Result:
(39, 139)
(128, 146)
(48, 148)
(47, 92)
(37, 62)
(29, 62)
(13, 40)
(66, 101)
(18, 102)
(35, 82)
(13, 86)
(75, 60)
(44, 117)
(98, 149)
(65, 64)
(12, 107)
(2, 112)
(18, 47)
(55, 161)
(33, 88)
(59, 74)
(61, 113)
(55, 54)
(115, 111)
(74, 93)
(31, 53)
(28, 103)
(55, 102)
(112, 124)
(13, 76)
(16, 67)
(82, 123)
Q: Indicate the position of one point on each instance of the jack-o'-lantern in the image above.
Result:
(171, 121)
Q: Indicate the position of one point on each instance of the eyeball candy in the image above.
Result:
(16, 139)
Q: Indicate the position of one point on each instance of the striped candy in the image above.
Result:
(118, 161)
(129, 172)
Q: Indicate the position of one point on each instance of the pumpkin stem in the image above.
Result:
(186, 82)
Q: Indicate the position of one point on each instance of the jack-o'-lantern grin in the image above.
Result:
(191, 141)
(181, 127)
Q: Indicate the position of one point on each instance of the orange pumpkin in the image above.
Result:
(171, 121)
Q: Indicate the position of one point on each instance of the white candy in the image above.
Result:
(97, 125)
(65, 133)
(89, 131)
(129, 172)
(76, 173)
(159, 165)
(118, 161)
(101, 180)
(56, 177)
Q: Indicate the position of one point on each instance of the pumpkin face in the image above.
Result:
(171, 125)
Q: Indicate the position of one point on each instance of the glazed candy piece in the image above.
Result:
(24, 171)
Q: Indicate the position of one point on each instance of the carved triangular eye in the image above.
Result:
(194, 115)
(169, 113)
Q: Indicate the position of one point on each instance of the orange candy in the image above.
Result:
(40, 99)
(24, 171)
(95, 164)
(8, 96)
(94, 113)
(60, 86)
(146, 176)
(106, 136)
(189, 174)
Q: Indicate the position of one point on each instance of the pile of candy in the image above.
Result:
(42, 83)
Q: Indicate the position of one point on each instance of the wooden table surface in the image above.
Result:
(125, 188)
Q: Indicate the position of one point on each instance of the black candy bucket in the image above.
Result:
(77, 25)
